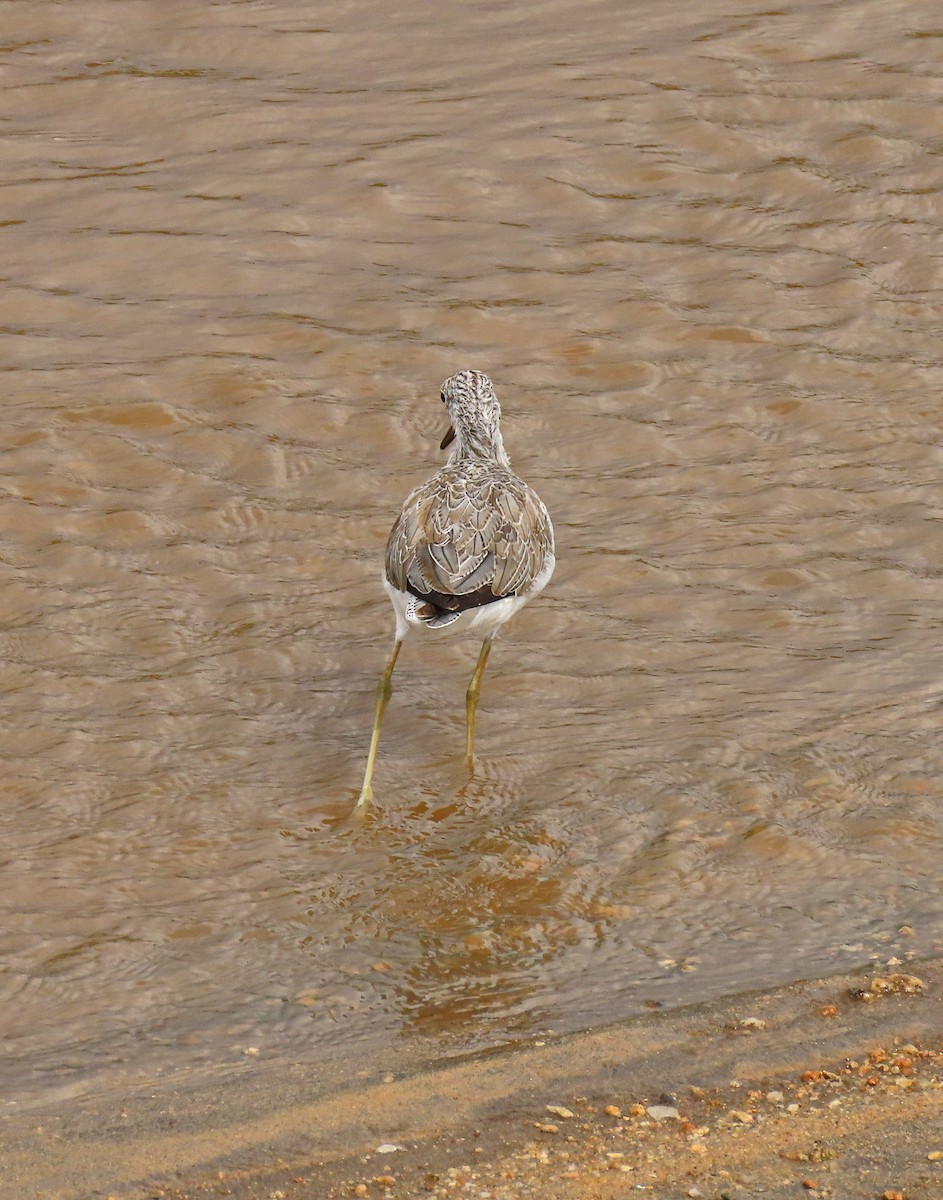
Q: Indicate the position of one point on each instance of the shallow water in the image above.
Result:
(698, 252)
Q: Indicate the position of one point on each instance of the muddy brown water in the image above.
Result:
(697, 246)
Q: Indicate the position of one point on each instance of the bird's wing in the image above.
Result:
(479, 536)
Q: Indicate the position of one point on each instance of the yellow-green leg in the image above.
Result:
(471, 703)
(384, 691)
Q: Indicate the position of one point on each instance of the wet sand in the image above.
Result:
(826, 1087)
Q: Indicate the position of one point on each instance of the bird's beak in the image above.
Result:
(448, 439)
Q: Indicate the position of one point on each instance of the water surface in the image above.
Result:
(697, 249)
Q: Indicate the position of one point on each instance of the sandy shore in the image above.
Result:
(829, 1087)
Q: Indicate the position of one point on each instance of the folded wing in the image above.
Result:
(463, 540)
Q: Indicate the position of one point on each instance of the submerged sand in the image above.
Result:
(830, 1087)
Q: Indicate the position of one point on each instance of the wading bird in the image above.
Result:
(469, 548)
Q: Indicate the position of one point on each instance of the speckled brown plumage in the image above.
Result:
(471, 535)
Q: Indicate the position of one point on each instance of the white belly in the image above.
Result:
(483, 621)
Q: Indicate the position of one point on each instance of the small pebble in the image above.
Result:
(810, 1185)
(361, 1189)
(563, 1113)
(744, 1118)
(662, 1112)
(752, 1023)
(613, 1110)
(774, 1097)
(891, 1194)
(935, 1156)
(388, 1148)
(828, 1010)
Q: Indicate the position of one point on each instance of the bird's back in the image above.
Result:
(473, 534)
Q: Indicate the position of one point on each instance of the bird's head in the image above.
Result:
(474, 416)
